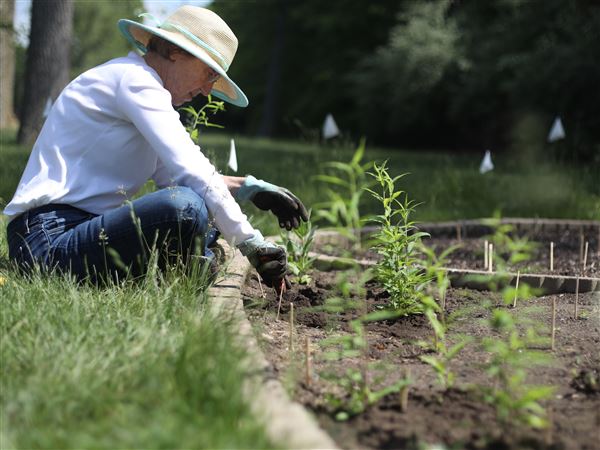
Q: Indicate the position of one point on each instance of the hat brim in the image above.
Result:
(224, 88)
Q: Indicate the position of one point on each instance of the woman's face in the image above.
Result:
(187, 77)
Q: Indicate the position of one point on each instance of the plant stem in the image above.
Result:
(516, 289)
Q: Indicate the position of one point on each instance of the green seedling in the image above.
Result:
(510, 358)
(397, 242)
(345, 186)
(298, 244)
(356, 383)
(201, 117)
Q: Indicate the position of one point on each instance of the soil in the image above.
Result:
(453, 418)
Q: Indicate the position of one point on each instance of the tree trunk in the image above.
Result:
(270, 105)
(48, 62)
(7, 64)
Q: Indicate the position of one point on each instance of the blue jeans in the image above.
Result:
(117, 243)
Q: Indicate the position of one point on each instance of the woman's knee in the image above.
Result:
(186, 206)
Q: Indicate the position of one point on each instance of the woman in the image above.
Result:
(113, 128)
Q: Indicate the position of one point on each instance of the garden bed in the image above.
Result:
(457, 417)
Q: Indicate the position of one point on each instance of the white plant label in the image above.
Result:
(330, 128)
(232, 157)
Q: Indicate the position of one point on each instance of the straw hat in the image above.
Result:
(200, 32)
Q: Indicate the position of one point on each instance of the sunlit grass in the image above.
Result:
(134, 365)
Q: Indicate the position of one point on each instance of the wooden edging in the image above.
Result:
(287, 423)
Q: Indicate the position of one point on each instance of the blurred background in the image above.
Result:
(431, 84)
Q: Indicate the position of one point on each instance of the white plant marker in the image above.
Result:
(486, 163)
(48, 107)
(576, 297)
(585, 252)
(232, 157)
(330, 128)
(516, 289)
(551, 256)
(485, 255)
(552, 343)
(491, 258)
(557, 132)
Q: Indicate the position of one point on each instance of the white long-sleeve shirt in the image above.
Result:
(109, 131)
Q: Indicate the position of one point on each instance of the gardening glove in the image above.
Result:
(268, 259)
(286, 206)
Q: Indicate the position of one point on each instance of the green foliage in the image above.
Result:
(130, 365)
(346, 184)
(359, 386)
(397, 242)
(197, 118)
(516, 402)
(298, 244)
(96, 38)
(509, 247)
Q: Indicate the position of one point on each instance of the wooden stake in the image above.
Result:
(551, 256)
(291, 328)
(581, 241)
(485, 255)
(262, 291)
(491, 258)
(516, 289)
(280, 298)
(552, 343)
(585, 252)
(458, 233)
(308, 362)
(576, 313)
(404, 393)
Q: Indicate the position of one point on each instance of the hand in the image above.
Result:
(268, 259)
(286, 206)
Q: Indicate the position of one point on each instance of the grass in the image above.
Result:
(448, 186)
(139, 365)
(135, 365)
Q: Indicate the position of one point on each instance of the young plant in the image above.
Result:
(397, 242)
(510, 358)
(509, 248)
(435, 311)
(298, 244)
(365, 383)
(346, 184)
(201, 117)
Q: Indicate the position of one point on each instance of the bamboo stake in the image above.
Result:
(551, 256)
(585, 252)
(291, 328)
(262, 291)
(485, 255)
(491, 258)
(552, 343)
(308, 362)
(516, 289)
(280, 298)
(581, 241)
(576, 298)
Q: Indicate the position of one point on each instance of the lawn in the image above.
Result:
(140, 365)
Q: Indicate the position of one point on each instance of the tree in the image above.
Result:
(7, 64)
(48, 62)
(96, 38)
